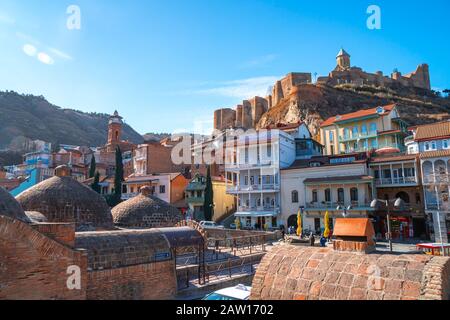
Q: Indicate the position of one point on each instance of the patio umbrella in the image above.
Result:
(327, 231)
(299, 224)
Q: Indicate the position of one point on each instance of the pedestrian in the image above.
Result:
(323, 241)
(312, 240)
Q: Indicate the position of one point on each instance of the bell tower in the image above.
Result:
(114, 129)
(343, 60)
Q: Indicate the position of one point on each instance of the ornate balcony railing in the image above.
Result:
(396, 181)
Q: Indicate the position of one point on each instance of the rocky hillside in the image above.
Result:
(31, 117)
(315, 103)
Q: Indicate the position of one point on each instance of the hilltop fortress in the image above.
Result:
(248, 114)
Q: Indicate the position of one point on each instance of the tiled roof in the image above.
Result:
(435, 154)
(435, 130)
(356, 115)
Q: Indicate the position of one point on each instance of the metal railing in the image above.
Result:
(333, 205)
(257, 187)
(392, 181)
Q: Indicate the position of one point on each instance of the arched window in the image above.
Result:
(327, 195)
(404, 196)
(294, 196)
(354, 194)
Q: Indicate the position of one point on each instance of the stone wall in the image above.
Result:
(303, 273)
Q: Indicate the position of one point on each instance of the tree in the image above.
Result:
(118, 176)
(96, 184)
(92, 167)
(208, 205)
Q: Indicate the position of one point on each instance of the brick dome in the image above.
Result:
(9, 207)
(63, 199)
(145, 211)
(303, 273)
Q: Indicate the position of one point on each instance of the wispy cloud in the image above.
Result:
(43, 53)
(60, 54)
(242, 89)
(260, 61)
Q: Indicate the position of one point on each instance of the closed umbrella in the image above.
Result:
(299, 224)
(327, 231)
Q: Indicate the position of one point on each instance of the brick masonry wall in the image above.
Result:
(155, 281)
(34, 267)
(289, 272)
(63, 233)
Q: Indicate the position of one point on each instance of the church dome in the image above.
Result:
(9, 207)
(63, 199)
(145, 211)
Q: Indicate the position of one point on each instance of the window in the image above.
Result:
(354, 194)
(331, 135)
(346, 133)
(269, 151)
(374, 143)
(246, 180)
(327, 195)
(341, 198)
(294, 196)
(355, 132)
(315, 197)
(373, 128)
(364, 129)
(445, 144)
(430, 145)
(162, 189)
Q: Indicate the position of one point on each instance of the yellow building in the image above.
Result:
(224, 204)
(378, 129)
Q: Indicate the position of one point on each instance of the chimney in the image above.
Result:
(354, 235)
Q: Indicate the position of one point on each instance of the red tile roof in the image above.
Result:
(432, 131)
(356, 115)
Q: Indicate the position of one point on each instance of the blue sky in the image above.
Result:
(167, 65)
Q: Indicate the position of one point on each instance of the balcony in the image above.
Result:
(253, 189)
(249, 166)
(396, 181)
(436, 178)
(265, 210)
(359, 136)
(332, 206)
(195, 200)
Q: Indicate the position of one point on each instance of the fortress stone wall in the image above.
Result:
(248, 114)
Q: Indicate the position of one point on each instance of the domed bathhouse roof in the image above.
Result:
(9, 207)
(63, 199)
(145, 211)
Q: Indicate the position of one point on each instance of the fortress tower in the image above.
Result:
(343, 60)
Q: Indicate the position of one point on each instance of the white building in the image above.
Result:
(254, 167)
(322, 184)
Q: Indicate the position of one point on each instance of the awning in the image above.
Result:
(256, 214)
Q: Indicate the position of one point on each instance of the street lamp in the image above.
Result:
(398, 203)
(344, 210)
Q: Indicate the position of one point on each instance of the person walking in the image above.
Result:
(312, 240)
